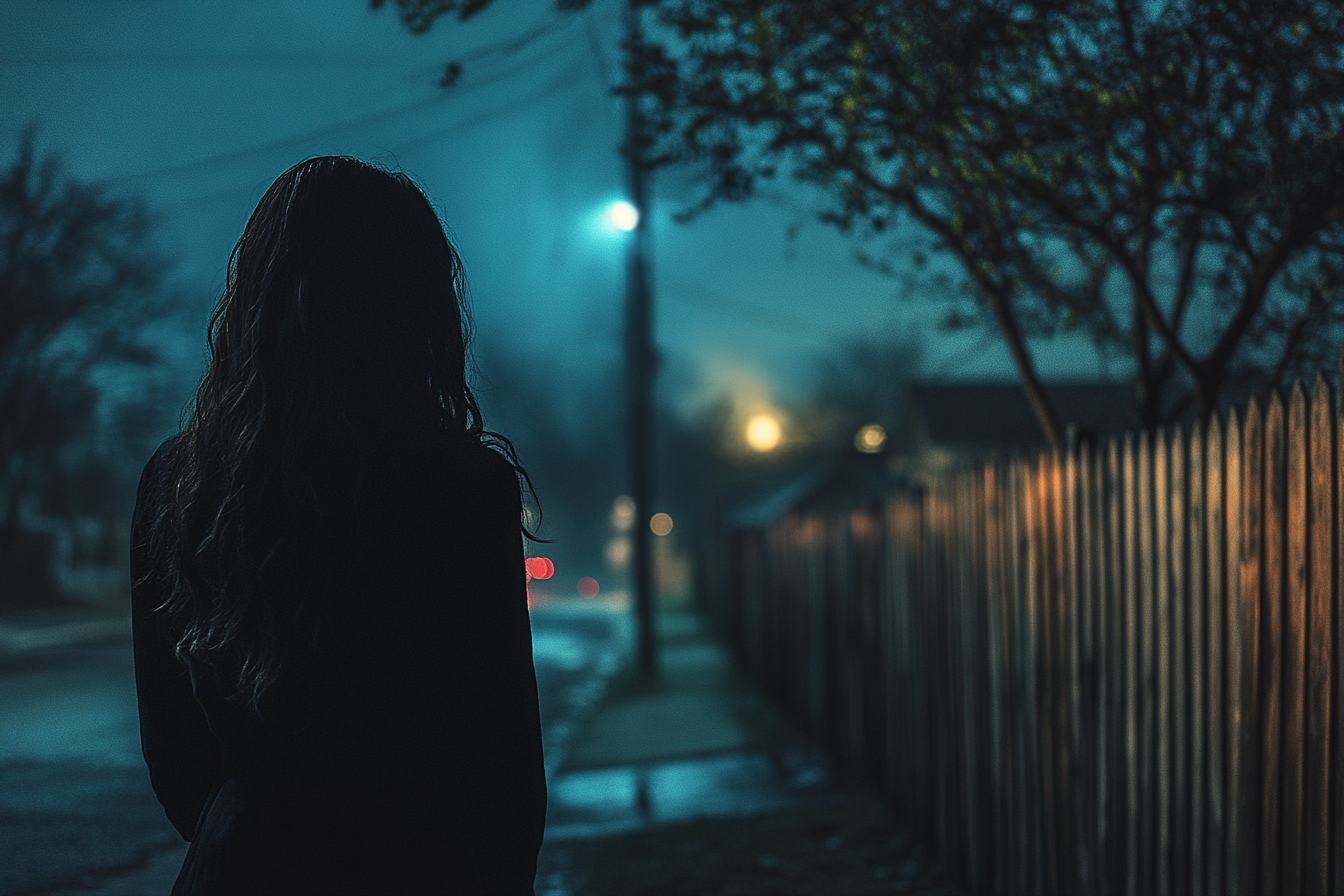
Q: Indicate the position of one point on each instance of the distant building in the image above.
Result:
(939, 426)
(945, 424)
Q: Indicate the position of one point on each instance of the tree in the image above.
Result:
(79, 284)
(1166, 177)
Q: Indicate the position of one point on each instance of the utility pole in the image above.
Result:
(639, 374)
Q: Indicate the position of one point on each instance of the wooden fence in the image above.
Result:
(1108, 671)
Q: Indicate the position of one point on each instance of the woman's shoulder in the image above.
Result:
(483, 465)
(158, 465)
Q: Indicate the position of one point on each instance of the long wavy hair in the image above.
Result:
(341, 338)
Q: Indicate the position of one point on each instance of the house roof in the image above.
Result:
(997, 413)
(843, 484)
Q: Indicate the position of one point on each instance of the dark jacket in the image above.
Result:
(406, 755)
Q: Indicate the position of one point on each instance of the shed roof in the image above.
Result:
(980, 413)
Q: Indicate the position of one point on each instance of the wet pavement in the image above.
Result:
(696, 743)
(600, 802)
(77, 815)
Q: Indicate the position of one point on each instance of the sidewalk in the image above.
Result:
(695, 785)
(691, 785)
(27, 632)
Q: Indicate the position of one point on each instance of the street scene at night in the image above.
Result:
(901, 439)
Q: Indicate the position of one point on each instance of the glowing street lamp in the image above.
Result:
(870, 439)
(763, 433)
(623, 216)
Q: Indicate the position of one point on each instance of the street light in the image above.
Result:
(763, 433)
(870, 439)
(623, 216)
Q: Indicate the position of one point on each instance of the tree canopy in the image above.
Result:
(1165, 177)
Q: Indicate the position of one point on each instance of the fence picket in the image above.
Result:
(1083, 696)
(1025, 791)
(1110, 669)
(968, 637)
(1336, 833)
(1002, 817)
(1197, 756)
(1150, 828)
(1248, 622)
(1216, 531)
(1162, 666)
(1057, 626)
(1133, 783)
(1271, 647)
(1320, 644)
(1179, 621)
(1114, 734)
(1294, 645)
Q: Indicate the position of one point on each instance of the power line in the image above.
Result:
(501, 49)
(456, 92)
(749, 313)
(567, 78)
(182, 60)
(284, 59)
(282, 143)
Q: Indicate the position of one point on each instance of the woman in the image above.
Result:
(332, 649)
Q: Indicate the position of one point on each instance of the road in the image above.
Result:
(76, 810)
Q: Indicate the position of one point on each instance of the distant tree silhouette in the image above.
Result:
(1167, 178)
(79, 285)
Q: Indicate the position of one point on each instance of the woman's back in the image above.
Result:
(333, 654)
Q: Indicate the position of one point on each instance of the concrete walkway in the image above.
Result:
(25, 633)
(697, 742)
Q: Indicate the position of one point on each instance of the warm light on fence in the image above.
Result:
(1190, 566)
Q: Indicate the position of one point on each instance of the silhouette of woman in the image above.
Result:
(332, 649)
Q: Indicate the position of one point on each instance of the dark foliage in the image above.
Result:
(80, 283)
(1167, 178)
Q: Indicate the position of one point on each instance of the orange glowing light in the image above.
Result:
(870, 439)
(763, 433)
(540, 567)
(661, 524)
(588, 587)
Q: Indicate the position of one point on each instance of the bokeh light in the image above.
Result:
(624, 216)
(540, 567)
(870, 439)
(623, 513)
(618, 553)
(661, 524)
(588, 587)
(763, 433)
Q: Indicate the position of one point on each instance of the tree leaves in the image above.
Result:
(1112, 134)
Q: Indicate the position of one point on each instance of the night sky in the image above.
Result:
(198, 106)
